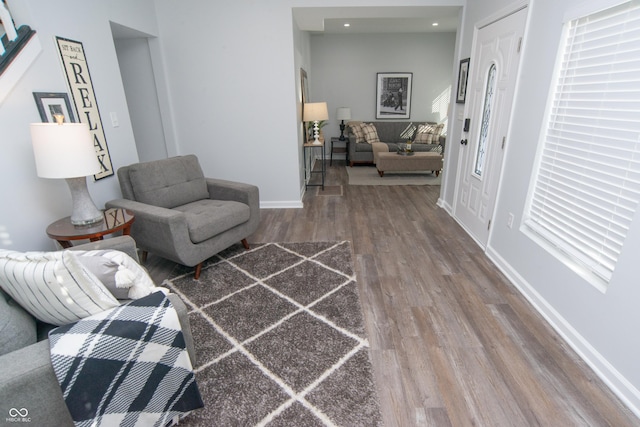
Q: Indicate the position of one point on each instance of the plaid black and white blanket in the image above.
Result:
(126, 366)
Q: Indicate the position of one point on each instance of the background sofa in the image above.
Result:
(27, 379)
(389, 132)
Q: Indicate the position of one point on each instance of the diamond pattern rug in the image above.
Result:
(279, 337)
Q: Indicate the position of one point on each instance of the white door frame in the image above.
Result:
(497, 16)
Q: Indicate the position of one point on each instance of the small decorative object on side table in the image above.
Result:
(114, 220)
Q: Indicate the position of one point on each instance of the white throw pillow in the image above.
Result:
(53, 286)
(120, 274)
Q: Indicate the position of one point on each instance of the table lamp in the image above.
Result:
(65, 150)
(343, 113)
(314, 112)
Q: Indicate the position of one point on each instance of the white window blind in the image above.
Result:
(587, 187)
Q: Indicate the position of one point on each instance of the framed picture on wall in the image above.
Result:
(463, 75)
(393, 95)
(50, 103)
(304, 92)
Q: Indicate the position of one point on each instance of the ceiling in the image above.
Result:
(331, 20)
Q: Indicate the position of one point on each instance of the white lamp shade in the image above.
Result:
(63, 150)
(343, 113)
(315, 111)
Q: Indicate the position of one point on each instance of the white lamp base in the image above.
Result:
(84, 210)
(316, 133)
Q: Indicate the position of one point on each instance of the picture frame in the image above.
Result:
(393, 95)
(50, 103)
(304, 95)
(463, 76)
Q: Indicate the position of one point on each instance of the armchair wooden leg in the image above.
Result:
(198, 270)
(245, 243)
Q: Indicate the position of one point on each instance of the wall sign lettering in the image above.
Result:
(77, 71)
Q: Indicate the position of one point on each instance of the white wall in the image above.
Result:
(601, 327)
(136, 70)
(233, 91)
(344, 69)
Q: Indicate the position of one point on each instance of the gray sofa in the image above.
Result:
(389, 133)
(27, 379)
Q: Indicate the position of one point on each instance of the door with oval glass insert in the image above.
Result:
(493, 71)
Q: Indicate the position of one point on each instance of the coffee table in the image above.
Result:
(420, 161)
(114, 220)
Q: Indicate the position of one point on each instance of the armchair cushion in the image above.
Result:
(169, 182)
(208, 218)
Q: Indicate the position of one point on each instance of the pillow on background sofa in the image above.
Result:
(53, 286)
(428, 134)
(408, 132)
(356, 129)
(370, 133)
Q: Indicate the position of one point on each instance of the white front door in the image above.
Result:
(493, 71)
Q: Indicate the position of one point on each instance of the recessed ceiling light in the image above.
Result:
(435, 24)
(347, 25)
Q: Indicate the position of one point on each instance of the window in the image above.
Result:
(486, 116)
(587, 187)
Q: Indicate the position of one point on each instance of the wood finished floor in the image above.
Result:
(453, 343)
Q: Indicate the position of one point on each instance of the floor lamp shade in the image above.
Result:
(66, 151)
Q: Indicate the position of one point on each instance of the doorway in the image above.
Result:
(493, 71)
(138, 79)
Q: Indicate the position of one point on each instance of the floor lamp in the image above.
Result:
(65, 150)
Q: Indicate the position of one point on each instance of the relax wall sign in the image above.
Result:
(84, 98)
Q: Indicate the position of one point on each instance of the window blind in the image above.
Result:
(587, 186)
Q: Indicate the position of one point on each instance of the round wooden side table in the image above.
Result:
(114, 220)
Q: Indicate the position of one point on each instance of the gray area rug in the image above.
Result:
(368, 175)
(279, 337)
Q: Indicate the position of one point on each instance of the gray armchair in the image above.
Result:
(182, 216)
(27, 379)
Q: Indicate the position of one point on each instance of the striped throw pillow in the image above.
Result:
(53, 286)
(370, 133)
(408, 132)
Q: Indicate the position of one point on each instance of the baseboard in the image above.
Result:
(284, 204)
(444, 205)
(626, 391)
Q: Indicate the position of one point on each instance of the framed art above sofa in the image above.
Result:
(393, 95)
